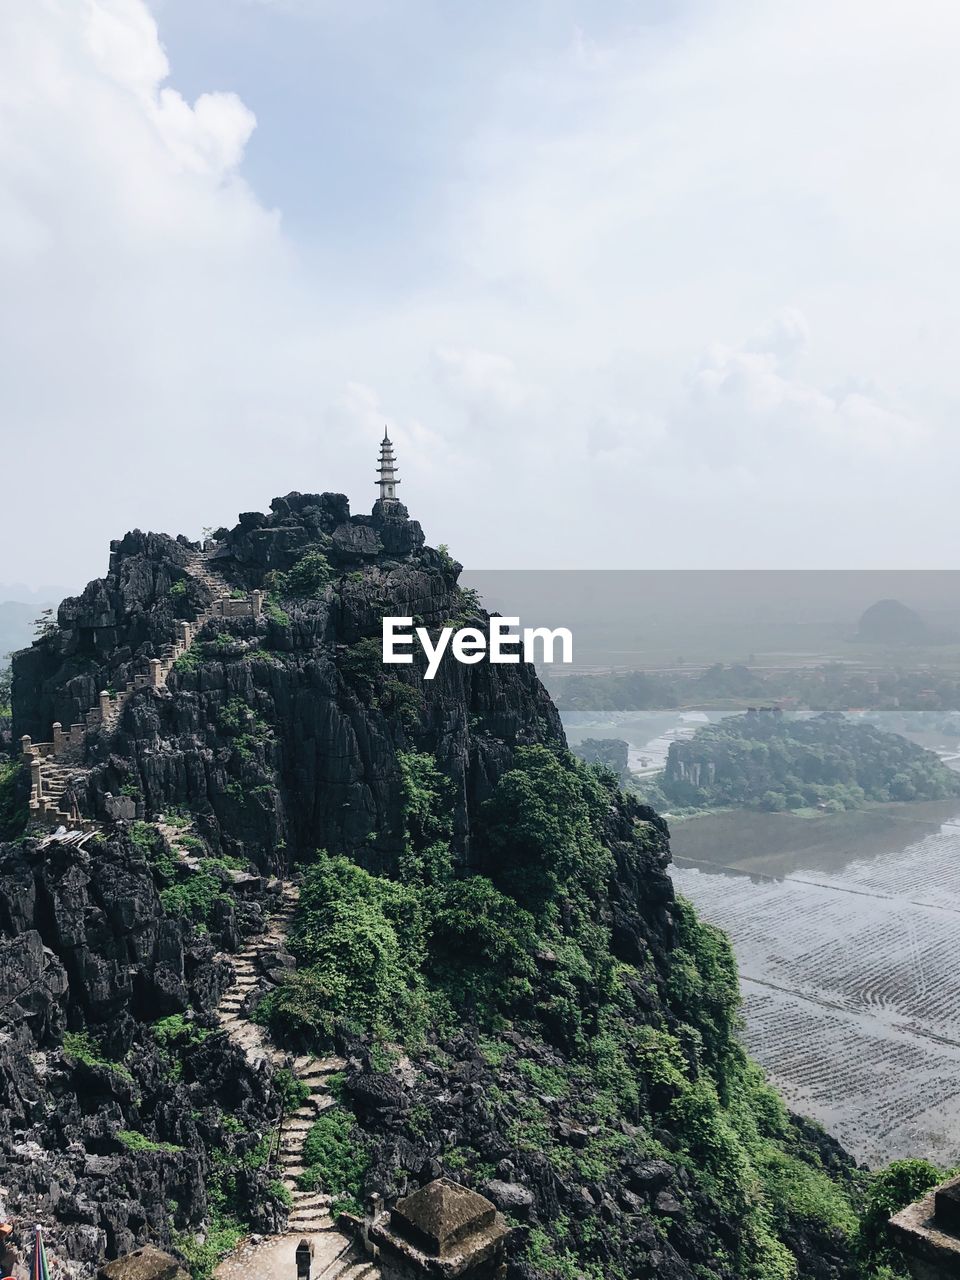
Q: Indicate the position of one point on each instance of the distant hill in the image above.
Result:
(763, 760)
(890, 622)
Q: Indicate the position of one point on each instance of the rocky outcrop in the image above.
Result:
(106, 1137)
(274, 735)
(137, 1113)
(312, 760)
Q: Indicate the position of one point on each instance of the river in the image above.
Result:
(846, 929)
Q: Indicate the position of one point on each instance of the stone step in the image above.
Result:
(344, 1265)
(306, 1062)
(316, 1103)
(315, 1209)
(298, 1124)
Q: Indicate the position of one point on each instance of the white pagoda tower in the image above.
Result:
(388, 470)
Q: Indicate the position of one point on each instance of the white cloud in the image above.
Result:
(768, 185)
(744, 406)
(484, 383)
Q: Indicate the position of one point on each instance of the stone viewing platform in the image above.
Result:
(444, 1230)
(928, 1233)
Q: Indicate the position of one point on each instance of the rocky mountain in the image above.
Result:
(486, 936)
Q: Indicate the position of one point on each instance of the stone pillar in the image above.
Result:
(928, 1233)
(36, 778)
(156, 674)
(186, 634)
(443, 1229)
(256, 600)
(57, 737)
(104, 705)
(27, 749)
(304, 1256)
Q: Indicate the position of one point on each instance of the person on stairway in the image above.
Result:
(69, 802)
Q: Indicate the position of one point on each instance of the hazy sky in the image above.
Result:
(633, 284)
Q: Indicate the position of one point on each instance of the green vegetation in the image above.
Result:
(178, 1032)
(293, 1093)
(13, 801)
(190, 659)
(275, 613)
(222, 1236)
(225, 1229)
(358, 939)
(178, 590)
(247, 730)
(526, 945)
(335, 1160)
(362, 666)
(6, 683)
(447, 561)
(135, 1141)
(82, 1047)
(45, 625)
(833, 686)
(185, 892)
(306, 580)
(763, 760)
(891, 1190)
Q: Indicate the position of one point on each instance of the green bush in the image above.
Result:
(222, 1236)
(335, 1159)
(889, 1191)
(542, 826)
(306, 580)
(176, 1031)
(81, 1046)
(293, 1093)
(359, 940)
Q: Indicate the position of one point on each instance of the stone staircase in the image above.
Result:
(274, 1258)
(336, 1256)
(54, 763)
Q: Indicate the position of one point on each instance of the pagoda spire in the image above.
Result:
(387, 470)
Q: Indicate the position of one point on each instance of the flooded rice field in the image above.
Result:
(846, 929)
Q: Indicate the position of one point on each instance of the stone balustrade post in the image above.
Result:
(104, 704)
(57, 737)
(256, 600)
(36, 779)
(26, 746)
(156, 674)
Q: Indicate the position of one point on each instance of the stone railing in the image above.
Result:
(49, 761)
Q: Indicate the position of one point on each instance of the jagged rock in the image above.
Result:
(510, 1197)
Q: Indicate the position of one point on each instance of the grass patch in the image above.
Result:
(81, 1046)
(336, 1160)
(135, 1141)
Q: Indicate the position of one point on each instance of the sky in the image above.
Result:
(632, 285)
